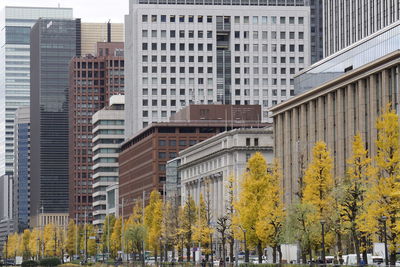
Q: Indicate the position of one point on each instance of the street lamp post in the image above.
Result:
(383, 219)
(323, 241)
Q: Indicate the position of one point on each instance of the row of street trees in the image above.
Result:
(351, 210)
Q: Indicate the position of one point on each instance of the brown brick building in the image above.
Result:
(143, 157)
(93, 79)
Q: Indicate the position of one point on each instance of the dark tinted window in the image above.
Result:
(17, 35)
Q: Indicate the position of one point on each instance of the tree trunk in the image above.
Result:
(280, 254)
(392, 258)
(259, 251)
(274, 254)
(194, 255)
(339, 245)
(224, 252)
(365, 252)
(356, 246)
(310, 253)
(231, 247)
(188, 253)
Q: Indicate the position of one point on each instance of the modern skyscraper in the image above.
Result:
(204, 51)
(22, 179)
(15, 27)
(316, 30)
(108, 134)
(346, 22)
(93, 80)
(53, 44)
(93, 33)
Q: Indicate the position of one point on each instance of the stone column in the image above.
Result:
(340, 133)
(349, 119)
(287, 157)
(385, 89)
(373, 112)
(311, 127)
(361, 108)
(295, 147)
(321, 119)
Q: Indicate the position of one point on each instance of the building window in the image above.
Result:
(247, 141)
(255, 141)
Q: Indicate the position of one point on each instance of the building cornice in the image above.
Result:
(347, 78)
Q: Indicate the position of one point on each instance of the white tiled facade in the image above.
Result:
(182, 54)
(208, 165)
(108, 133)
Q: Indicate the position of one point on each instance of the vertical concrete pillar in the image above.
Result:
(349, 127)
(373, 112)
(361, 108)
(295, 146)
(340, 133)
(287, 156)
(321, 119)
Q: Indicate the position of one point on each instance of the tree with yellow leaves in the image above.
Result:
(34, 243)
(12, 245)
(50, 240)
(115, 240)
(187, 222)
(355, 186)
(271, 216)
(135, 231)
(318, 186)
(170, 226)
(153, 216)
(382, 199)
(251, 199)
(26, 236)
(70, 246)
(230, 211)
(108, 227)
(202, 232)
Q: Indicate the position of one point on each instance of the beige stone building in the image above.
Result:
(91, 33)
(334, 112)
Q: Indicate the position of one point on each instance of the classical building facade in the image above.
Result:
(143, 157)
(334, 112)
(206, 167)
(206, 52)
(108, 134)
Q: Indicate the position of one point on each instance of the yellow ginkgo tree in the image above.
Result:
(252, 193)
(317, 194)
(382, 200)
(153, 220)
(271, 216)
(355, 186)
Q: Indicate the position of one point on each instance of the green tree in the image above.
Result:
(251, 197)
(108, 228)
(359, 172)
(71, 239)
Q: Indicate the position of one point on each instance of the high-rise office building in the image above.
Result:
(204, 52)
(346, 22)
(15, 27)
(6, 207)
(53, 44)
(93, 33)
(93, 80)
(108, 134)
(21, 209)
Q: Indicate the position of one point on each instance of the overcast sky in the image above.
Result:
(87, 10)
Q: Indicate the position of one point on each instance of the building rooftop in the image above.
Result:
(333, 83)
(354, 56)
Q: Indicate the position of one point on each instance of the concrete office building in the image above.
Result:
(53, 44)
(108, 134)
(15, 27)
(143, 157)
(112, 200)
(335, 109)
(204, 52)
(346, 22)
(21, 209)
(93, 80)
(206, 166)
(6, 207)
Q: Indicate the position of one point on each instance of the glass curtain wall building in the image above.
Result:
(361, 53)
(15, 27)
(53, 44)
(21, 208)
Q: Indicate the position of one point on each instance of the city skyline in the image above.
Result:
(82, 9)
